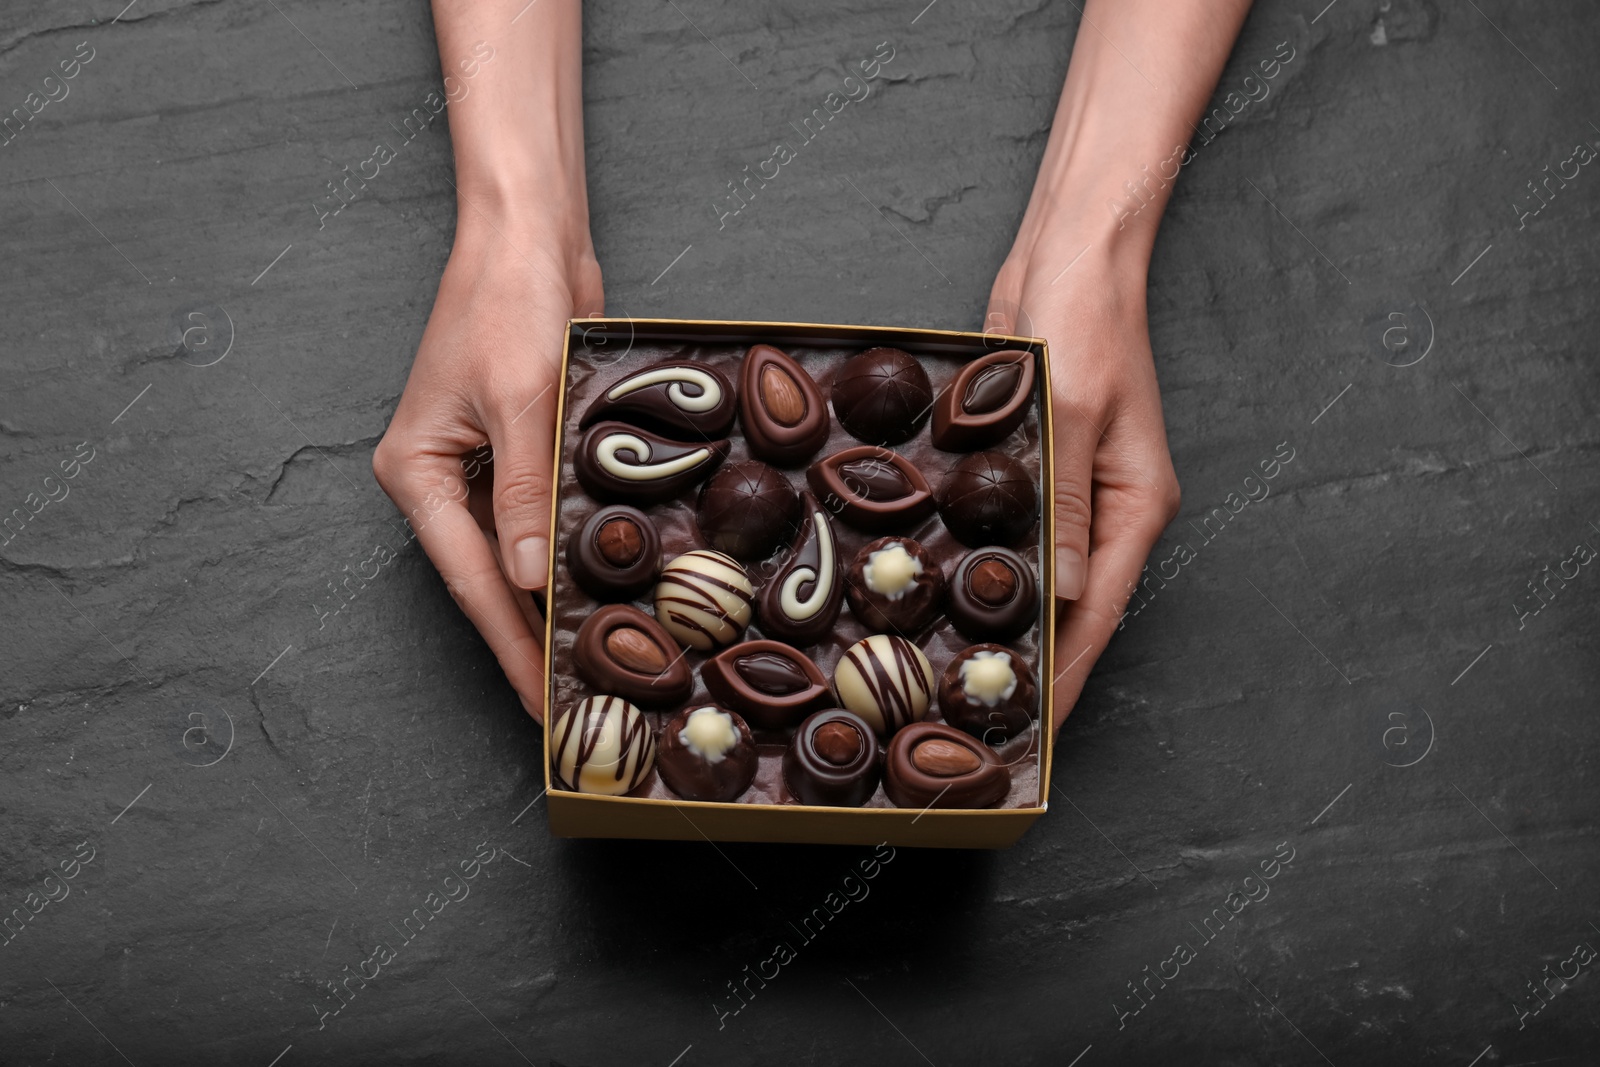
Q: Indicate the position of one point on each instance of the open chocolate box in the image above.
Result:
(800, 584)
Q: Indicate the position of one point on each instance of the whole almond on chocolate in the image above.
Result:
(781, 396)
(634, 650)
(944, 759)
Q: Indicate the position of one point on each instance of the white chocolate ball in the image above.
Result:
(704, 599)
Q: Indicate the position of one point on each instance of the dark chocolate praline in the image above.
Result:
(621, 650)
(679, 397)
(993, 595)
(931, 765)
(988, 691)
(706, 753)
(615, 553)
(873, 489)
(801, 601)
(625, 464)
(771, 684)
(781, 409)
(985, 403)
(832, 761)
(746, 510)
(882, 396)
(988, 499)
(894, 586)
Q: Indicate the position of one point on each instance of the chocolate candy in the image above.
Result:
(993, 595)
(886, 680)
(801, 601)
(769, 683)
(619, 649)
(833, 760)
(614, 555)
(930, 765)
(676, 397)
(882, 396)
(988, 499)
(623, 463)
(894, 584)
(746, 510)
(603, 745)
(706, 753)
(873, 489)
(704, 599)
(987, 400)
(989, 692)
(780, 407)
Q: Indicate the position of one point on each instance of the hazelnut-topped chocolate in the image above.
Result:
(872, 489)
(706, 753)
(985, 403)
(832, 760)
(615, 554)
(746, 510)
(882, 396)
(781, 409)
(988, 499)
(630, 465)
(989, 691)
(678, 397)
(895, 585)
(993, 595)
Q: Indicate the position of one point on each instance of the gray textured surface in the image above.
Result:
(1247, 705)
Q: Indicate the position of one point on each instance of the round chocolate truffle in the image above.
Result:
(930, 765)
(746, 510)
(833, 760)
(895, 585)
(704, 599)
(989, 692)
(988, 499)
(615, 553)
(993, 595)
(602, 745)
(882, 396)
(706, 753)
(886, 680)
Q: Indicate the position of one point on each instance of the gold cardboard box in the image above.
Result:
(574, 814)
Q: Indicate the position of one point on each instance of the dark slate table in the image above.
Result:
(253, 777)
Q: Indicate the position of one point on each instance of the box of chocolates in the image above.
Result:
(800, 584)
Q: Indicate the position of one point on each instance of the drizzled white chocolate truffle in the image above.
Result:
(603, 745)
(704, 599)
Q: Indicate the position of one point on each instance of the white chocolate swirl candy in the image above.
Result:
(680, 398)
(629, 465)
(603, 745)
(674, 378)
(886, 680)
(822, 575)
(608, 453)
(704, 599)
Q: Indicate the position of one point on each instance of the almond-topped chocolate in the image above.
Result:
(678, 398)
(769, 683)
(930, 765)
(985, 403)
(621, 650)
(872, 489)
(784, 418)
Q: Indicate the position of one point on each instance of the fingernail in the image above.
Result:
(530, 562)
(1069, 574)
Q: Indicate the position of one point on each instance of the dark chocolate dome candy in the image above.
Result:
(988, 499)
(747, 510)
(882, 396)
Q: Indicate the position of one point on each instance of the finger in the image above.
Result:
(1114, 567)
(1072, 460)
(431, 492)
(522, 430)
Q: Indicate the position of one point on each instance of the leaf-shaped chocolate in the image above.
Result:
(801, 601)
(770, 684)
(676, 397)
(873, 489)
(784, 417)
(626, 464)
(985, 402)
(621, 650)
